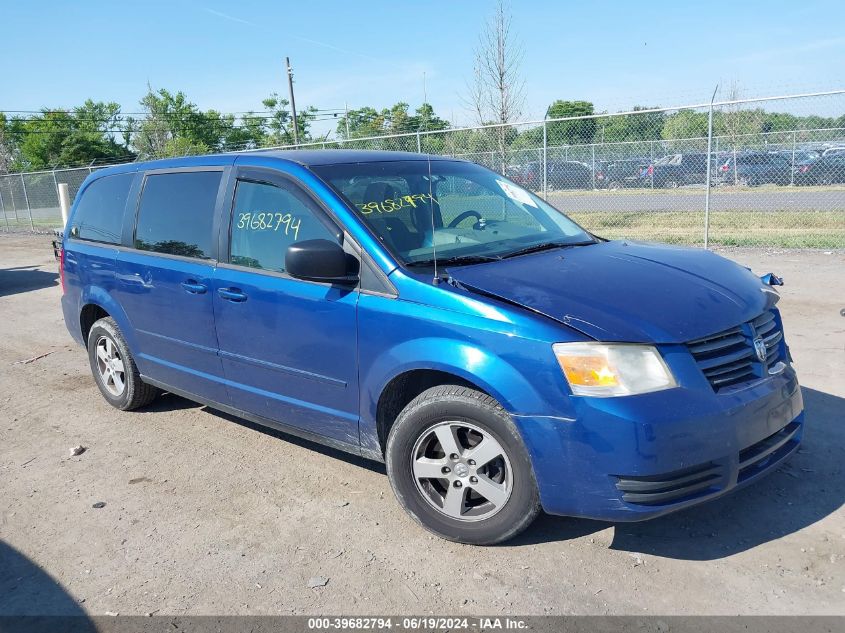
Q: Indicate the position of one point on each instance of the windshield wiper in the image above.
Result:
(459, 260)
(545, 246)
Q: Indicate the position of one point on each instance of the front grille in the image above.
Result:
(767, 451)
(670, 487)
(728, 358)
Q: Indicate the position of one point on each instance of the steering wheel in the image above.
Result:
(463, 216)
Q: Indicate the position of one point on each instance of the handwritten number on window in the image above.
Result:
(395, 204)
(267, 221)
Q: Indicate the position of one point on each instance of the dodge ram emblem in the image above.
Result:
(760, 348)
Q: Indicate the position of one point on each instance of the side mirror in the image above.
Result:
(320, 260)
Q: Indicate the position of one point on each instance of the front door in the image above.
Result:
(288, 347)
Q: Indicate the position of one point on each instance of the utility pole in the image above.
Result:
(292, 102)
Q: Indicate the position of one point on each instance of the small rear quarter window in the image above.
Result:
(99, 213)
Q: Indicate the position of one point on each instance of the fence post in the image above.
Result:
(593, 147)
(419, 145)
(545, 162)
(3, 206)
(792, 168)
(28, 207)
(707, 172)
(64, 203)
(651, 165)
(58, 195)
(14, 204)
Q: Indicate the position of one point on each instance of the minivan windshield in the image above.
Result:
(465, 212)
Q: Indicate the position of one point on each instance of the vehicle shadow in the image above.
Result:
(24, 279)
(809, 487)
(26, 590)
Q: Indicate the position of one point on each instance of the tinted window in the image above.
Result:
(176, 213)
(269, 218)
(99, 214)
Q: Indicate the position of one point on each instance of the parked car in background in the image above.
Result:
(831, 151)
(755, 168)
(568, 174)
(529, 175)
(808, 155)
(825, 170)
(676, 170)
(562, 174)
(620, 173)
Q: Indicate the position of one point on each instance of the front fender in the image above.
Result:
(489, 372)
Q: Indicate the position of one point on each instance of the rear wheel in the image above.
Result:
(114, 368)
(458, 466)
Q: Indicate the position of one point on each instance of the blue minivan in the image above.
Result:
(430, 313)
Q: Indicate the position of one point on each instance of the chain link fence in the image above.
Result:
(764, 172)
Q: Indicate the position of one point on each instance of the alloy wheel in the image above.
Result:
(462, 471)
(110, 366)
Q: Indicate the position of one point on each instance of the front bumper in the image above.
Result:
(634, 458)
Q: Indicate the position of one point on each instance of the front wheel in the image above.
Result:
(458, 466)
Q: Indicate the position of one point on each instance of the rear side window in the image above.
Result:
(99, 214)
(177, 213)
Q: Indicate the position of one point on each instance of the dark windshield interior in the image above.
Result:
(460, 209)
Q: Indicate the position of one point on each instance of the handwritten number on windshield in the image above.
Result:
(395, 204)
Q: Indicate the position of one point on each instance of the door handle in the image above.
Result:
(232, 294)
(193, 287)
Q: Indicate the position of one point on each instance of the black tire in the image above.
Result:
(461, 404)
(135, 393)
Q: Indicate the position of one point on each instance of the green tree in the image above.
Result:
(169, 117)
(368, 121)
(86, 134)
(646, 126)
(572, 132)
(685, 124)
(281, 121)
(8, 146)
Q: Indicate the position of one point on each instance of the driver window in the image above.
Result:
(266, 219)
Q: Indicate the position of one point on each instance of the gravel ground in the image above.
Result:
(205, 514)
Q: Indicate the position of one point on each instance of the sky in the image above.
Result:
(230, 55)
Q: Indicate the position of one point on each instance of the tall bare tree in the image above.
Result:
(738, 124)
(496, 90)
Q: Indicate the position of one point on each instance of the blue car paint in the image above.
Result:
(650, 293)
(493, 326)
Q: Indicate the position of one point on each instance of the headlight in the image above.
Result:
(612, 369)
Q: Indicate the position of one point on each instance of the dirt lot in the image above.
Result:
(207, 515)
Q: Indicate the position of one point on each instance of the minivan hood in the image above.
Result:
(626, 291)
